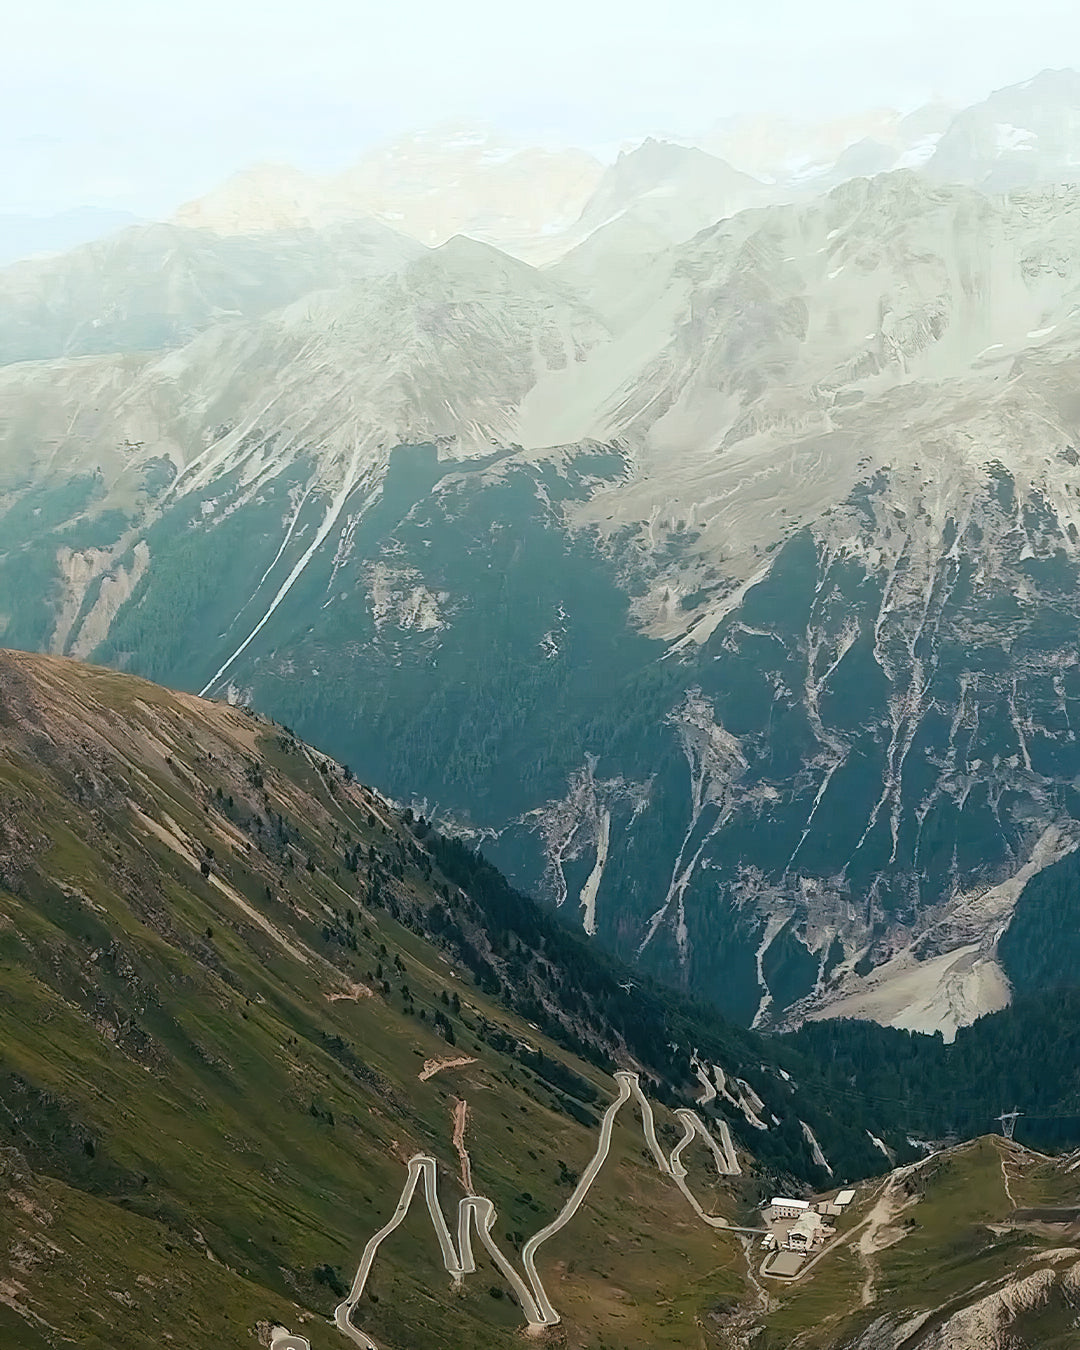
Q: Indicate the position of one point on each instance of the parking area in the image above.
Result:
(785, 1265)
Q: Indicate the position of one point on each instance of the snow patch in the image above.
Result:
(1007, 137)
(879, 1144)
(920, 152)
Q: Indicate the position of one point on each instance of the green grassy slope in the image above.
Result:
(934, 1259)
(216, 997)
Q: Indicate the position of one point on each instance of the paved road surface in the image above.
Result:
(476, 1212)
(280, 1339)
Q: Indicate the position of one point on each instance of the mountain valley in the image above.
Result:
(240, 991)
(539, 677)
(723, 586)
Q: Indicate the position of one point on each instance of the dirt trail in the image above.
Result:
(880, 1218)
(1005, 1179)
(434, 1066)
(878, 1230)
(461, 1120)
(352, 994)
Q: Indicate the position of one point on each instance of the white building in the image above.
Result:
(806, 1232)
(783, 1208)
(844, 1198)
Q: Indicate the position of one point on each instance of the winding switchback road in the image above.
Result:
(476, 1211)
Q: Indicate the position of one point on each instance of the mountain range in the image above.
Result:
(537, 201)
(717, 575)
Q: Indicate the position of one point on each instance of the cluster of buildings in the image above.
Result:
(809, 1229)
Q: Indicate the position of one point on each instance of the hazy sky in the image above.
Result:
(142, 103)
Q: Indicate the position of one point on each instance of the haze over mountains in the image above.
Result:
(703, 540)
(536, 201)
(430, 186)
(24, 235)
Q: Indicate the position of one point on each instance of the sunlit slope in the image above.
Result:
(976, 1248)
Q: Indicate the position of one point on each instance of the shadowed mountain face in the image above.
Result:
(729, 597)
(157, 286)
